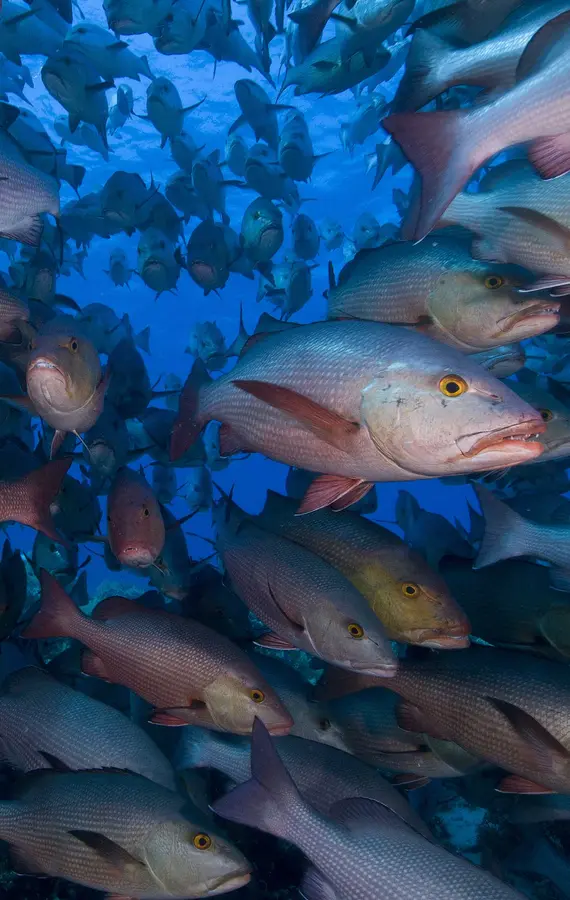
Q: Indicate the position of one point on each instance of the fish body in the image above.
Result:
(21, 33)
(306, 237)
(25, 193)
(302, 599)
(295, 150)
(440, 289)
(235, 154)
(410, 599)
(164, 108)
(105, 329)
(257, 111)
(159, 261)
(40, 714)
(207, 256)
(301, 359)
(73, 81)
(187, 672)
(119, 269)
(111, 58)
(363, 124)
(181, 193)
(197, 489)
(365, 850)
(262, 230)
(28, 499)
(206, 342)
(184, 151)
(332, 234)
(106, 447)
(141, 845)
(208, 181)
(325, 72)
(135, 526)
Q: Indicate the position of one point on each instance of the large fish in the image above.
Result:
(447, 147)
(330, 398)
(323, 775)
(45, 723)
(365, 850)
(73, 80)
(304, 601)
(186, 671)
(439, 289)
(410, 599)
(119, 833)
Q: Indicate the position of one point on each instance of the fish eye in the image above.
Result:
(257, 696)
(324, 724)
(202, 841)
(409, 589)
(453, 385)
(355, 631)
(493, 282)
(73, 345)
(257, 215)
(146, 512)
(547, 415)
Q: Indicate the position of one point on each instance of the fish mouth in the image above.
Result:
(441, 641)
(137, 557)
(229, 883)
(380, 670)
(504, 439)
(542, 312)
(281, 730)
(42, 362)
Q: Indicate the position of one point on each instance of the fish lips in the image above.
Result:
(540, 316)
(229, 883)
(507, 439)
(44, 364)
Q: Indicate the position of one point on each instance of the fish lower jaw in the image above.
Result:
(231, 883)
(387, 670)
(136, 557)
(443, 642)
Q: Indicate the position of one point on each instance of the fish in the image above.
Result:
(428, 533)
(85, 135)
(502, 361)
(119, 270)
(173, 573)
(136, 530)
(187, 672)
(206, 342)
(214, 604)
(122, 110)
(325, 71)
(444, 293)
(128, 17)
(207, 257)
(105, 329)
(332, 234)
(410, 599)
(348, 856)
(556, 438)
(147, 844)
(159, 261)
(262, 231)
(257, 111)
(303, 601)
(22, 31)
(164, 484)
(324, 775)
(183, 29)
(181, 193)
(65, 384)
(209, 182)
(60, 560)
(470, 21)
(511, 604)
(197, 489)
(28, 499)
(363, 123)
(306, 237)
(72, 79)
(165, 110)
(378, 452)
(507, 534)
(112, 58)
(235, 154)
(46, 723)
(184, 151)
(441, 158)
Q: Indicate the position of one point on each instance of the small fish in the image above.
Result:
(262, 231)
(173, 573)
(136, 530)
(257, 111)
(122, 110)
(197, 489)
(164, 484)
(306, 237)
(209, 182)
(105, 329)
(363, 123)
(85, 135)
(206, 342)
(295, 151)
(332, 234)
(184, 151)
(159, 261)
(429, 533)
(165, 110)
(182, 194)
(189, 674)
(235, 154)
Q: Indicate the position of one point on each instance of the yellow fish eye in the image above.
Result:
(257, 696)
(547, 415)
(453, 385)
(202, 841)
(493, 282)
(355, 631)
(409, 589)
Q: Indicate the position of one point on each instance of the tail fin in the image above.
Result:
(442, 148)
(35, 494)
(268, 801)
(501, 537)
(58, 613)
(186, 427)
(420, 82)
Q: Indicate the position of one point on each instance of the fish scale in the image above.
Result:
(451, 690)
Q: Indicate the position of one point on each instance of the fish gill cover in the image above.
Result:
(284, 422)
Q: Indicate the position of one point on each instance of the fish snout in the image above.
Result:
(136, 556)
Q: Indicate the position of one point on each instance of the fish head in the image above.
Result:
(236, 699)
(136, 529)
(481, 308)
(555, 415)
(432, 420)
(189, 857)
(63, 368)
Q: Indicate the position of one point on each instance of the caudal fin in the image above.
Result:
(34, 494)
(187, 427)
(440, 146)
(58, 613)
(269, 801)
(501, 537)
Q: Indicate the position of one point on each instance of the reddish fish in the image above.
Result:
(360, 402)
(135, 525)
(28, 499)
(448, 147)
(189, 673)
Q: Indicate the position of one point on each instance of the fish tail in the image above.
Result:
(442, 148)
(142, 339)
(269, 801)
(41, 487)
(502, 535)
(421, 82)
(187, 426)
(58, 613)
